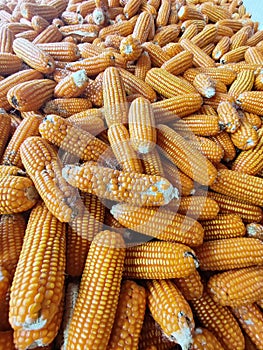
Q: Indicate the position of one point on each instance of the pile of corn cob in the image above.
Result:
(131, 187)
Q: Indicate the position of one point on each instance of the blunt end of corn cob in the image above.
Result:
(80, 77)
(30, 325)
(183, 336)
(210, 92)
(194, 257)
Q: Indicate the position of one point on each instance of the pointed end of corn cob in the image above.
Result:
(183, 336)
(164, 188)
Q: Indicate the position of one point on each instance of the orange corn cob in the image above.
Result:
(247, 187)
(31, 95)
(167, 84)
(163, 13)
(130, 48)
(5, 127)
(149, 261)
(253, 56)
(228, 116)
(237, 287)
(9, 63)
(223, 226)
(199, 124)
(200, 59)
(210, 149)
(69, 17)
(179, 106)
(234, 55)
(208, 110)
(48, 35)
(225, 75)
(220, 321)
(129, 317)
(235, 24)
(28, 127)
(61, 51)
(11, 170)
(205, 85)
(142, 125)
(13, 80)
(255, 38)
(122, 148)
(123, 28)
(258, 83)
(142, 27)
(221, 48)
(217, 99)
(46, 175)
(72, 85)
(166, 35)
(24, 195)
(135, 188)
(203, 339)
(188, 159)
(89, 50)
(157, 55)
(6, 39)
(189, 33)
(93, 65)
(65, 107)
(189, 13)
(255, 230)
(177, 178)
(42, 295)
(191, 287)
(33, 56)
(242, 65)
(206, 36)
(250, 318)
(215, 13)
(115, 102)
(134, 85)
(131, 8)
(230, 253)
(172, 312)
(172, 49)
(28, 10)
(251, 101)
(94, 90)
(86, 32)
(25, 338)
(90, 120)
(240, 37)
(152, 164)
(106, 254)
(85, 7)
(179, 63)
(29, 35)
(208, 49)
(143, 65)
(171, 226)
(224, 140)
(6, 340)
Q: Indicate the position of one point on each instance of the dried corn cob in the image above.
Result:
(123, 28)
(129, 317)
(28, 10)
(106, 254)
(255, 230)
(203, 339)
(115, 102)
(65, 107)
(208, 49)
(43, 166)
(11, 170)
(210, 149)
(172, 49)
(143, 65)
(24, 195)
(228, 116)
(253, 56)
(93, 65)
(249, 188)
(189, 13)
(200, 58)
(48, 35)
(163, 13)
(179, 63)
(221, 48)
(142, 27)
(169, 308)
(237, 287)
(130, 48)
(191, 286)
(220, 321)
(258, 83)
(234, 55)
(152, 164)
(166, 35)
(33, 56)
(251, 101)
(230, 253)
(61, 51)
(217, 99)
(157, 55)
(205, 85)
(214, 12)
(149, 261)
(223, 226)
(72, 85)
(255, 38)
(181, 153)
(42, 295)
(90, 120)
(250, 318)
(224, 140)
(240, 37)
(9, 63)
(5, 128)
(5, 283)
(199, 124)
(112, 184)
(245, 137)
(29, 35)
(122, 148)
(206, 36)
(225, 75)
(6, 39)
(171, 226)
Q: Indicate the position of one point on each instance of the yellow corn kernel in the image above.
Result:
(65, 107)
(42, 288)
(179, 63)
(251, 101)
(200, 58)
(9, 63)
(228, 116)
(221, 48)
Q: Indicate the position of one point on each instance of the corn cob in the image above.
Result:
(205, 85)
(134, 85)
(250, 318)
(13, 80)
(28, 10)
(29, 35)
(86, 32)
(242, 65)
(48, 35)
(89, 50)
(217, 99)
(90, 120)
(178, 63)
(6, 39)
(151, 162)
(25, 338)
(9, 63)
(43, 166)
(206, 36)
(166, 35)
(85, 7)
(221, 48)
(61, 51)
(39, 23)
(189, 33)
(178, 179)
(73, 85)
(199, 124)
(106, 254)
(224, 140)
(149, 261)
(24, 195)
(6, 340)
(253, 56)
(258, 83)
(65, 107)
(121, 146)
(235, 24)
(225, 75)
(39, 308)
(240, 37)
(11, 170)
(237, 287)
(172, 49)
(251, 101)
(152, 336)
(116, 185)
(115, 102)
(142, 27)
(123, 28)
(203, 339)
(189, 13)
(200, 59)
(171, 226)
(228, 116)
(208, 49)
(181, 153)
(143, 65)
(157, 55)
(255, 38)
(255, 230)
(5, 128)
(215, 13)
(33, 56)
(130, 48)
(230, 253)
(220, 321)
(234, 55)
(163, 13)
(191, 287)
(129, 317)
(210, 149)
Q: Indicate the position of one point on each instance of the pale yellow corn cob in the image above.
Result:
(9, 63)
(123, 28)
(199, 124)
(189, 33)
(6, 39)
(208, 49)
(214, 12)
(221, 48)
(48, 35)
(179, 63)
(191, 286)
(228, 116)
(255, 38)
(90, 120)
(200, 58)
(200, 23)
(28, 10)
(218, 98)
(72, 85)
(258, 83)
